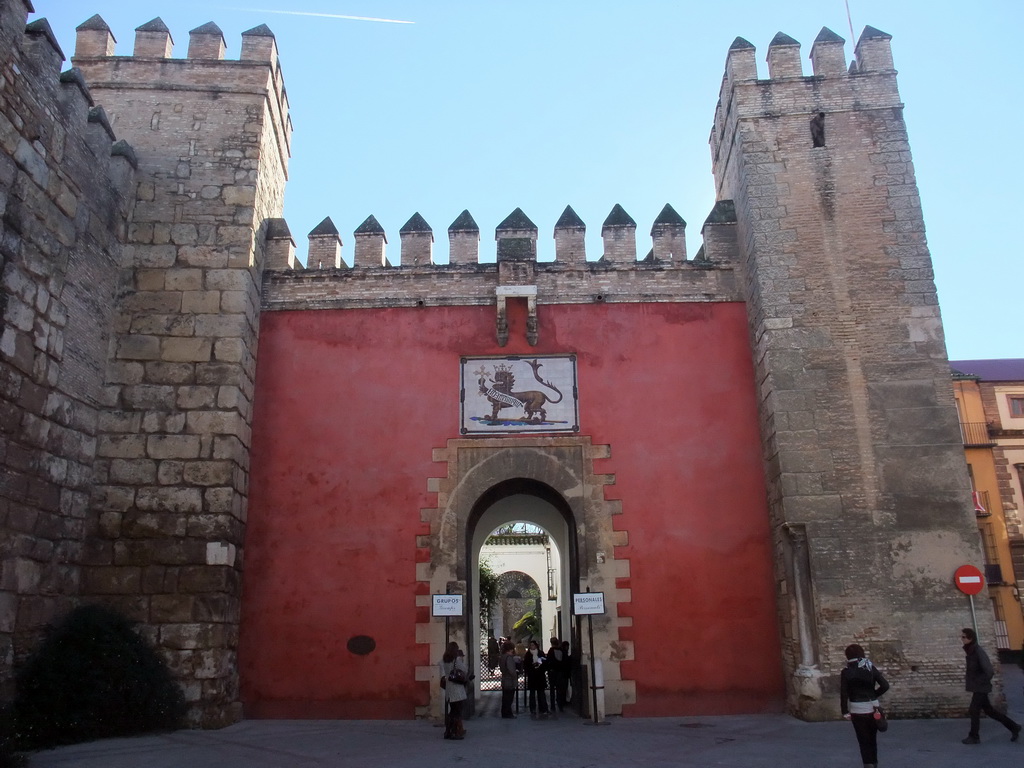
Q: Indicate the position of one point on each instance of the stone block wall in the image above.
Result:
(867, 481)
(474, 284)
(66, 194)
(171, 481)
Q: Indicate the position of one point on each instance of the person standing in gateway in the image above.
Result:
(509, 679)
(978, 679)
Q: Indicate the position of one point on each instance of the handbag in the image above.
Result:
(457, 676)
(881, 721)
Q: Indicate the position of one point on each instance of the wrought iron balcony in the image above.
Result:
(975, 433)
(981, 507)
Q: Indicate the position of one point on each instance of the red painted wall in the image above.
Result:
(350, 404)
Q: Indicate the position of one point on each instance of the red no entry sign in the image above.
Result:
(969, 580)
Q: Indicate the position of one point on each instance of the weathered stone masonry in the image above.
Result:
(140, 205)
(157, 280)
(172, 451)
(66, 195)
(863, 456)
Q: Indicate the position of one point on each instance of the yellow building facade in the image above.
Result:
(990, 403)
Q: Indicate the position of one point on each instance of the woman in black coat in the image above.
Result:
(535, 664)
(860, 685)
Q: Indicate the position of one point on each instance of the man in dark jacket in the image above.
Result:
(979, 682)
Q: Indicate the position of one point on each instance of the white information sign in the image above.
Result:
(447, 605)
(588, 603)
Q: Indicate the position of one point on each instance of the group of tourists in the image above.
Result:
(861, 683)
(545, 673)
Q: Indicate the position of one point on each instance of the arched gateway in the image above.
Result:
(552, 480)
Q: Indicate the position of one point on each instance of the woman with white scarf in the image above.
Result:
(860, 685)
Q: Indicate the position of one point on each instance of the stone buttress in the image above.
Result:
(66, 192)
(212, 137)
(867, 483)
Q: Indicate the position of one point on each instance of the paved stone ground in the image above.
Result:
(748, 741)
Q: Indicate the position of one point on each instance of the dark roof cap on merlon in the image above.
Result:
(75, 77)
(870, 33)
(724, 212)
(668, 217)
(98, 115)
(156, 25)
(209, 28)
(325, 227)
(277, 229)
(618, 218)
(828, 36)
(42, 27)
(261, 31)
(93, 23)
(123, 149)
(369, 227)
(782, 39)
(569, 220)
(416, 223)
(464, 223)
(740, 44)
(517, 220)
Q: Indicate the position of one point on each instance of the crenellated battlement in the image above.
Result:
(832, 86)
(515, 238)
(665, 274)
(204, 68)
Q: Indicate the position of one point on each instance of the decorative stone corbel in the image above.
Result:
(528, 292)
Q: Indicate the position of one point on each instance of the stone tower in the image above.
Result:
(212, 140)
(864, 462)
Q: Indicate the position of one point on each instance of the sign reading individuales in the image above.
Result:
(519, 394)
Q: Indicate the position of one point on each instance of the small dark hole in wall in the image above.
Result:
(361, 645)
(419, 302)
(818, 130)
(599, 297)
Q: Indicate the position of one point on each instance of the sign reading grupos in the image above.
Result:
(447, 605)
(519, 394)
(588, 604)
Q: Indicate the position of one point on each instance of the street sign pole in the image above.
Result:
(587, 604)
(969, 580)
(593, 665)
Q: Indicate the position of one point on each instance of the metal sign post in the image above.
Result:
(970, 581)
(446, 605)
(588, 604)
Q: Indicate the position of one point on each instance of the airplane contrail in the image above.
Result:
(324, 15)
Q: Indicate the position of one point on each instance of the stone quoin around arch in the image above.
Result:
(559, 470)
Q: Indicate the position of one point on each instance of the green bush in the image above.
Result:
(93, 677)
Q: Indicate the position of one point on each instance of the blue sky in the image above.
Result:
(491, 105)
